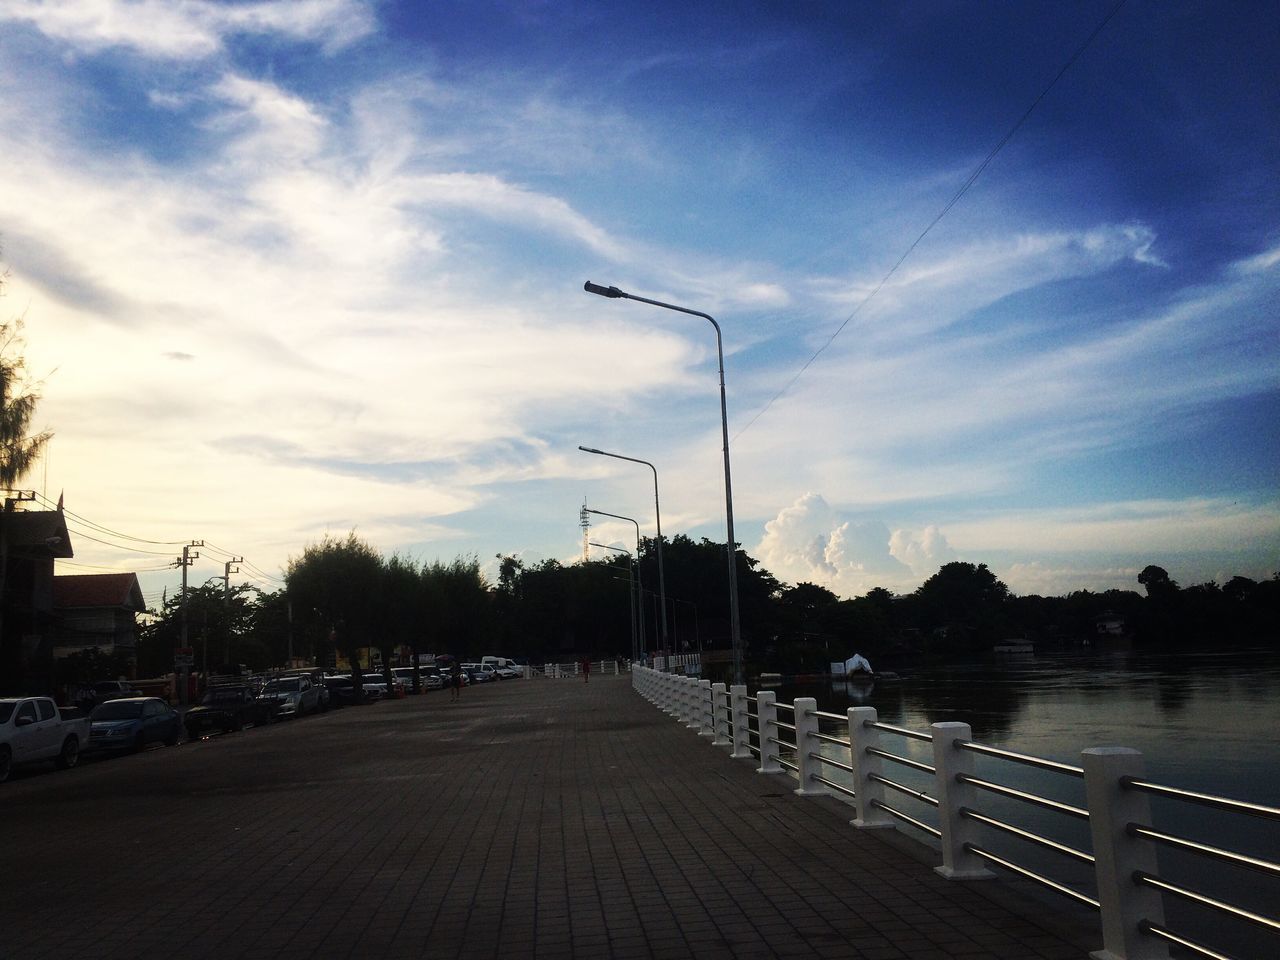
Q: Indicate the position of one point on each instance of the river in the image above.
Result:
(1207, 721)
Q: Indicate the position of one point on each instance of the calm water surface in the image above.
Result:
(1207, 721)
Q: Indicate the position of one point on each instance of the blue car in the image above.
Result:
(133, 723)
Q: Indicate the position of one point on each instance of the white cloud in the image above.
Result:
(186, 29)
(809, 541)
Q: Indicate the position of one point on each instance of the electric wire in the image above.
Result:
(964, 188)
(107, 530)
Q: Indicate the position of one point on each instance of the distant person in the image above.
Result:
(455, 686)
(586, 670)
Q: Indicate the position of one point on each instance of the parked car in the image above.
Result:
(433, 679)
(226, 707)
(91, 695)
(133, 723)
(477, 673)
(291, 696)
(33, 729)
(373, 689)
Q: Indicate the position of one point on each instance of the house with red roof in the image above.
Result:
(97, 610)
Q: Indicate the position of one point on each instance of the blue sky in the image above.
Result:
(291, 269)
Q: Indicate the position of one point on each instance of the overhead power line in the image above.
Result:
(107, 530)
(964, 188)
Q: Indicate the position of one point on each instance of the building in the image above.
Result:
(29, 543)
(97, 610)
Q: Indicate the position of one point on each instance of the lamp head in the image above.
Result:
(590, 450)
(611, 292)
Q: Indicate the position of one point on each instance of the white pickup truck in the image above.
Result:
(34, 729)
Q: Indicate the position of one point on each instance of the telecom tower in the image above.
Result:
(584, 520)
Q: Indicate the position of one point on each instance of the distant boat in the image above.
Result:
(856, 667)
(1014, 646)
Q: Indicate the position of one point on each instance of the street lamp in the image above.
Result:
(631, 589)
(639, 578)
(657, 516)
(731, 547)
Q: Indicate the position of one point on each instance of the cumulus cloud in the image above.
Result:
(810, 541)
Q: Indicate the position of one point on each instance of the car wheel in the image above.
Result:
(6, 763)
(70, 754)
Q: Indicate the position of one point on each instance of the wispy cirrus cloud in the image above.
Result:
(189, 29)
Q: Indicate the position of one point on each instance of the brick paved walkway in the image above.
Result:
(546, 818)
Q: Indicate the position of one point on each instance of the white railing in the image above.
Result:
(1121, 863)
(611, 667)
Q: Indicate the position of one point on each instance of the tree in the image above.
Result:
(19, 448)
(341, 583)
(965, 601)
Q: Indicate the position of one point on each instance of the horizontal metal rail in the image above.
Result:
(900, 731)
(830, 762)
(753, 716)
(903, 788)
(1027, 835)
(826, 739)
(1217, 853)
(1053, 885)
(1146, 926)
(1196, 897)
(839, 717)
(1204, 799)
(751, 699)
(839, 788)
(755, 750)
(788, 764)
(1026, 758)
(785, 706)
(1031, 798)
(782, 743)
(905, 761)
(906, 818)
(784, 726)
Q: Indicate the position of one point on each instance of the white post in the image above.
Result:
(766, 714)
(738, 722)
(719, 715)
(1118, 856)
(949, 763)
(706, 710)
(867, 792)
(671, 685)
(806, 744)
(692, 704)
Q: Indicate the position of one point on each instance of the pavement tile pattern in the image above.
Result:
(538, 819)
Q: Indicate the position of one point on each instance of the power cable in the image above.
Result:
(101, 529)
(964, 188)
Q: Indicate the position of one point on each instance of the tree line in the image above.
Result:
(342, 597)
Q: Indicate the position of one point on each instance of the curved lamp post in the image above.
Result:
(639, 578)
(631, 588)
(657, 516)
(731, 547)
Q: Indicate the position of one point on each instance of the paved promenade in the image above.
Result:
(545, 818)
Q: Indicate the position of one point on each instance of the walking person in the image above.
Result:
(586, 669)
(456, 684)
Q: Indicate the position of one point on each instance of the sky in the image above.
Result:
(293, 269)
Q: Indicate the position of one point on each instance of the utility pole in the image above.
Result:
(226, 604)
(184, 562)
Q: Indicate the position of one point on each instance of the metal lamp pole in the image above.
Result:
(657, 516)
(735, 630)
(631, 589)
(639, 579)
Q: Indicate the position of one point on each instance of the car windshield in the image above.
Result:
(288, 685)
(118, 710)
(231, 695)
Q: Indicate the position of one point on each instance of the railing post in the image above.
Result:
(767, 713)
(706, 710)
(719, 715)
(1118, 856)
(740, 723)
(692, 704)
(867, 792)
(672, 685)
(950, 763)
(807, 743)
